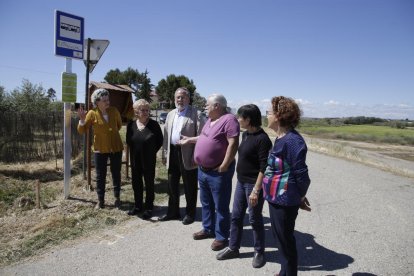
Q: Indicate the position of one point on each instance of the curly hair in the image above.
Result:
(287, 111)
(97, 95)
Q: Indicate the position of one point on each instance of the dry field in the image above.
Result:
(26, 231)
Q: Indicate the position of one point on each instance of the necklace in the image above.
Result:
(140, 125)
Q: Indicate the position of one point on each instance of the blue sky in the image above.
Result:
(336, 57)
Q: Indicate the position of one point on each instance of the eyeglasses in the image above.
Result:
(141, 110)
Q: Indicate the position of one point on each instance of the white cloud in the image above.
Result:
(331, 102)
(333, 109)
(303, 102)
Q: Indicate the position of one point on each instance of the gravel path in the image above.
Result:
(361, 224)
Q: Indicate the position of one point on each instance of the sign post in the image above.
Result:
(69, 33)
(93, 51)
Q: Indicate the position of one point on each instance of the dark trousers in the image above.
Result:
(283, 219)
(240, 204)
(138, 173)
(175, 171)
(101, 163)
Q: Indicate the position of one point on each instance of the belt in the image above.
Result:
(204, 169)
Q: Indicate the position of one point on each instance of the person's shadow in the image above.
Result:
(311, 255)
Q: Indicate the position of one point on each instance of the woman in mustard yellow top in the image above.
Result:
(106, 122)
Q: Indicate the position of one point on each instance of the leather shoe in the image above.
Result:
(147, 214)
(169, 217)
(134, 212)
(227, 253)
(218, 245)
(188, 220)
(201, 235)
(258, 260)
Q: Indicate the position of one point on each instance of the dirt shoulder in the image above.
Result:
(392, 158)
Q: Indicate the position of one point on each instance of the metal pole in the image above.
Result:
(67, 138)
(85, 138)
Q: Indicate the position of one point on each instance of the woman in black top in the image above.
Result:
(251, 164)
(144, 138)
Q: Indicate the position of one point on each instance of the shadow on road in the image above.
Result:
(311, 255)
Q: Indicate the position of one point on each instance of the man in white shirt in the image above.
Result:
(185, 121)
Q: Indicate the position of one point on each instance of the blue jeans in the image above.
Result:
(101, 163)
(215, 194)
(240, 204)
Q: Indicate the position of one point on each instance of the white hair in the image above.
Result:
(140, 102)
(97, 95)
(220, 99)
(183, 90)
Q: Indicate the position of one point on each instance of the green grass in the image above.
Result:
(366, 133)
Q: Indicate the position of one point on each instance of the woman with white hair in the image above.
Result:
(144, 137)
(107, 144)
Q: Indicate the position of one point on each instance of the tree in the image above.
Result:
(51, 94)
(199, 101)
(144, 91)
(4, 100)
(29, 98)
(166, 88)
(131, 77)
(114, 77)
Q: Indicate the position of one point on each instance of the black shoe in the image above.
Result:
(227, 253)
(147, 214)
(188, 220)
(258, 260)
(134, 212)
(169, 217)
(100, 205)
(117, 203)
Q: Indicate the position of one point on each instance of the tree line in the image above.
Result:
(31, 117)
(141, 84)
(34, 98)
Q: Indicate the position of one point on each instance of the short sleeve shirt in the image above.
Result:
(212, 143)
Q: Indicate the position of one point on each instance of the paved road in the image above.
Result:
(361, 224)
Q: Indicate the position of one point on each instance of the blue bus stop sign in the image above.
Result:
(69, 33)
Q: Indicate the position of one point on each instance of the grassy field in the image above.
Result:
(365, 133)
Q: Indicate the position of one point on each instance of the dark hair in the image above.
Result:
(287, 111)
(252, 112)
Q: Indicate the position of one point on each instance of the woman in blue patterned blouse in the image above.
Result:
(286, 179)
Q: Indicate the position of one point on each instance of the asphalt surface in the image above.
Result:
(362, 223)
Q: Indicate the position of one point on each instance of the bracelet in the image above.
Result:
(256, 191)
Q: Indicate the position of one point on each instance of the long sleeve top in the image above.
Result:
(106, 138)
(252, 156)
(286, 178)
(144, 144)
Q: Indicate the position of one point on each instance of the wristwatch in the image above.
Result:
(257, 192)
